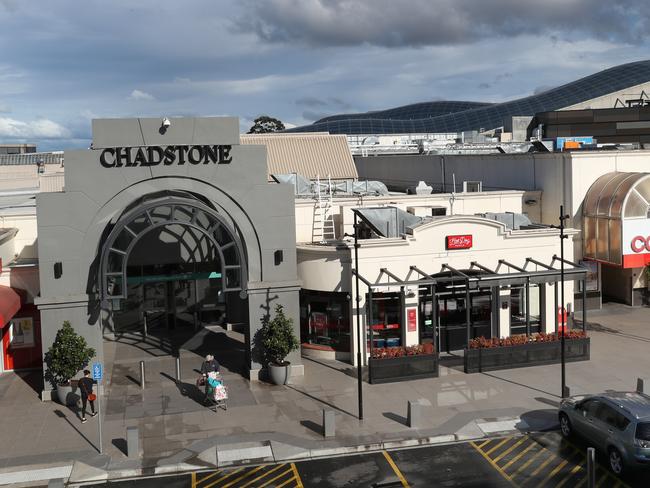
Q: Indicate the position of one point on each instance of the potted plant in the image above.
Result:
(278, 340)
(68, 355)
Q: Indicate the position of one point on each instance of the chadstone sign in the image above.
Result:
(117, 157)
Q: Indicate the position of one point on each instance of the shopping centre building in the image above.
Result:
(161, 230)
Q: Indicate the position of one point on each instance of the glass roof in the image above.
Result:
(452, 116)
(618, 195)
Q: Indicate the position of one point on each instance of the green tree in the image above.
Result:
(68, 355)
(278, 339)
(265, 124)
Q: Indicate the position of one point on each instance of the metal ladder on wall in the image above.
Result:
(323, 226)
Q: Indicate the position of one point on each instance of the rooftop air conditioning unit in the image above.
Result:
(472, 186)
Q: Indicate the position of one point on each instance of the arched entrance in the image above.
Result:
(169, 264)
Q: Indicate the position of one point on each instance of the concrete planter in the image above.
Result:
(279, 374)
(406, 368)
(532, 354)
(67, 394)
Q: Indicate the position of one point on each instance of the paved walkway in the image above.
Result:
(171, 417)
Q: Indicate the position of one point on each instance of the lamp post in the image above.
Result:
(563, 236)
(358, 301)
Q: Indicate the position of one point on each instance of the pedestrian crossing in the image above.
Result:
(542, 461)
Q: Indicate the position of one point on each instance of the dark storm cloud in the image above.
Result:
(311, 102)
(439, 22)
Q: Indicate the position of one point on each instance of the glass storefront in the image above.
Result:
(325, 319)
(386, 319)
(518, 309)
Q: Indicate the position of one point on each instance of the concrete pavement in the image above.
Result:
(283, 423)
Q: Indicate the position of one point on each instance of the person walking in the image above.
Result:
(87, 395)
(210, 364)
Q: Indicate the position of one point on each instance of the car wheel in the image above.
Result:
(615, 461)
(565, 425)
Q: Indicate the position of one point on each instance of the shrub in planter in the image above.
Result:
(278, 340)
(401, 351)
(68, 355)
(520, 339)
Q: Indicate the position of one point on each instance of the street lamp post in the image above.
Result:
(563, 236)
(358, 302)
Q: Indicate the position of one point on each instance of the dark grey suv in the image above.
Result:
(617, 423)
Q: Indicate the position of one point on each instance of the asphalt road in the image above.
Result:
(535, 460)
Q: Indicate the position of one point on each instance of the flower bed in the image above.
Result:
(521, 351)
(390, 364)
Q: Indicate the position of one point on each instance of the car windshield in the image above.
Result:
(643, 431)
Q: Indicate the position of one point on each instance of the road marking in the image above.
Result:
(498, 446)
(297, 476)
(509, 450)
(396, 469)
(575, 469)
(224, 477)
(554, 472)
(493, 464)
(542, 466)
(193, 479)
(211, 475)
(266, 473)
(267, 483)
(527, 463)
(484, 443)
(246, 474)
(286, 482)
(519, 456)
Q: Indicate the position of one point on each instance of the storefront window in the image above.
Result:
(518, 309)
(325, 319)
(386, 319)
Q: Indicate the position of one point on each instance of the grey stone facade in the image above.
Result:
(73, 225)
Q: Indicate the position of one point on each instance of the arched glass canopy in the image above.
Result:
(610, 201)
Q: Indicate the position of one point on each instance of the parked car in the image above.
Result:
(617, 423)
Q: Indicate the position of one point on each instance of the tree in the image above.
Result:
(278, 339)
(265, 124)
(68, 355)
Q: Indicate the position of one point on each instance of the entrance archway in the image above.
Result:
(170, 262)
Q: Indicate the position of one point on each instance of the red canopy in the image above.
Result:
(9, 304)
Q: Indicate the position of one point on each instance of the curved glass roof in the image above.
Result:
(426, 117)
(619, 196)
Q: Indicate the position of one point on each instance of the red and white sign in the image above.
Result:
(459, 242)
(636, 243)
(411, 319)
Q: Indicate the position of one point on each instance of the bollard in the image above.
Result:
(132, 441)
(142, 374)
(641, 385)
(329, 426)
(567, 392)
(591, 467)
(414, 414)
(144, 325)
(178, 369)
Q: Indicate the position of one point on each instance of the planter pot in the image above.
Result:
(532, 354)
(279, 374)
(67, 394)
(403, 369)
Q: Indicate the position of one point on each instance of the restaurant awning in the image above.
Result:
(9, 304)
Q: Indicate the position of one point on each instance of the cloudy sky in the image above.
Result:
(65, 62)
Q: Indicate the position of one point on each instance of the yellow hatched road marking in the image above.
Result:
(211, 475)
(509, 450)
(297, 476)
(494, 465)
(396, 469)
(245, 475)
(492, 449)
(484, 443)
(575, 469)
(543, 465)
(286, 482)
(193, 480)
(520, 455)
(527, 463)
(223, 478)
(554, 472)
(266, 483)
(266, 473)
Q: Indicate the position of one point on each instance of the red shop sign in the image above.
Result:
(411, 319)
(459, 242)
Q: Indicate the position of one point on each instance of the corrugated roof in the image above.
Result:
(311, 155)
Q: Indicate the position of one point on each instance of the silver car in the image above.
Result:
(617, 423)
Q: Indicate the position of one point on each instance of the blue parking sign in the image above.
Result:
(98, 371)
